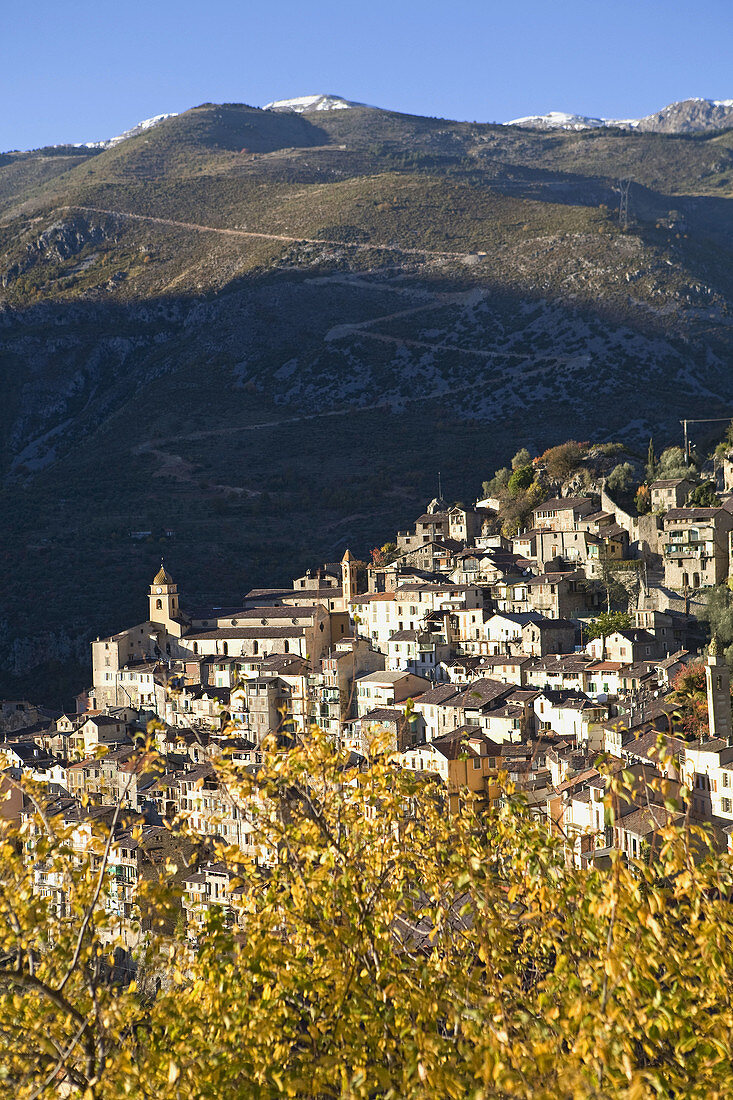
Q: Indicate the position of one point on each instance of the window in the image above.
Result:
(476, 763)
(158, 605)
(725, 805)
(726, 779)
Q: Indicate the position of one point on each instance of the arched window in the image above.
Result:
(158, 605)
(286, 648)
(195, 647)
(255, 648)
(225, 649)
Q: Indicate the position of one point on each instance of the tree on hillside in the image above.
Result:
(516, 512)
(726, 442)
(651, 462)
(690, 697)
(607, 623)
(672, 464)
(497, 485)
(718, 613)
(643, 500)
(563, 460)
(521, 458)
(621, 478)
(520, 480)
(703, 496)
(619, 584)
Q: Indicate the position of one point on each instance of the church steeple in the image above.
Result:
(348, 578)
(163, 598)
(162, 576)
(717, 679)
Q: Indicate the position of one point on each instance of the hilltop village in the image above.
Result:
(477, 656)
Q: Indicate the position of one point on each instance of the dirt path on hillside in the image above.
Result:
(286, 239)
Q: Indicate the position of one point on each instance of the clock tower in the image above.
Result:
(163, 598)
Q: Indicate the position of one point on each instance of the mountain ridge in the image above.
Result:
(266, 331)
(694, 115)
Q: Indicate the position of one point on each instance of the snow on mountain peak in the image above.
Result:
(312, 103)
(685, 116)
(557, 120)
(141, 127)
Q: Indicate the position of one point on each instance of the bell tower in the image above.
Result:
(717, 678)
(348, 578)
(163, 598)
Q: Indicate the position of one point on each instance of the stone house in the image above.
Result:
(486, 565)
(707, 769)
(540, 637)
(638, 830)
(261, 706)
(670, 493)
(410, 607)
(465, 758)
(430, 557)
(562, 513)
(429, 706)
(417, 651)
(504, 630)
(572, 716)
(627, 647)
(210, 889)
(211, 811)
(332, 694)
(98, 730)
(380, 730)
(695, 547)
(385, 689)
(562, 595)
(561, 671)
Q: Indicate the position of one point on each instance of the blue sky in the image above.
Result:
(75, 70)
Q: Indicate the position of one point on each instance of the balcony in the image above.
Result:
(694, 550)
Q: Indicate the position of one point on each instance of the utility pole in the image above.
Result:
(704, 420)
(687, 444)
(622, 187)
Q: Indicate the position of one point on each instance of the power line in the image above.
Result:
(704, 420)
